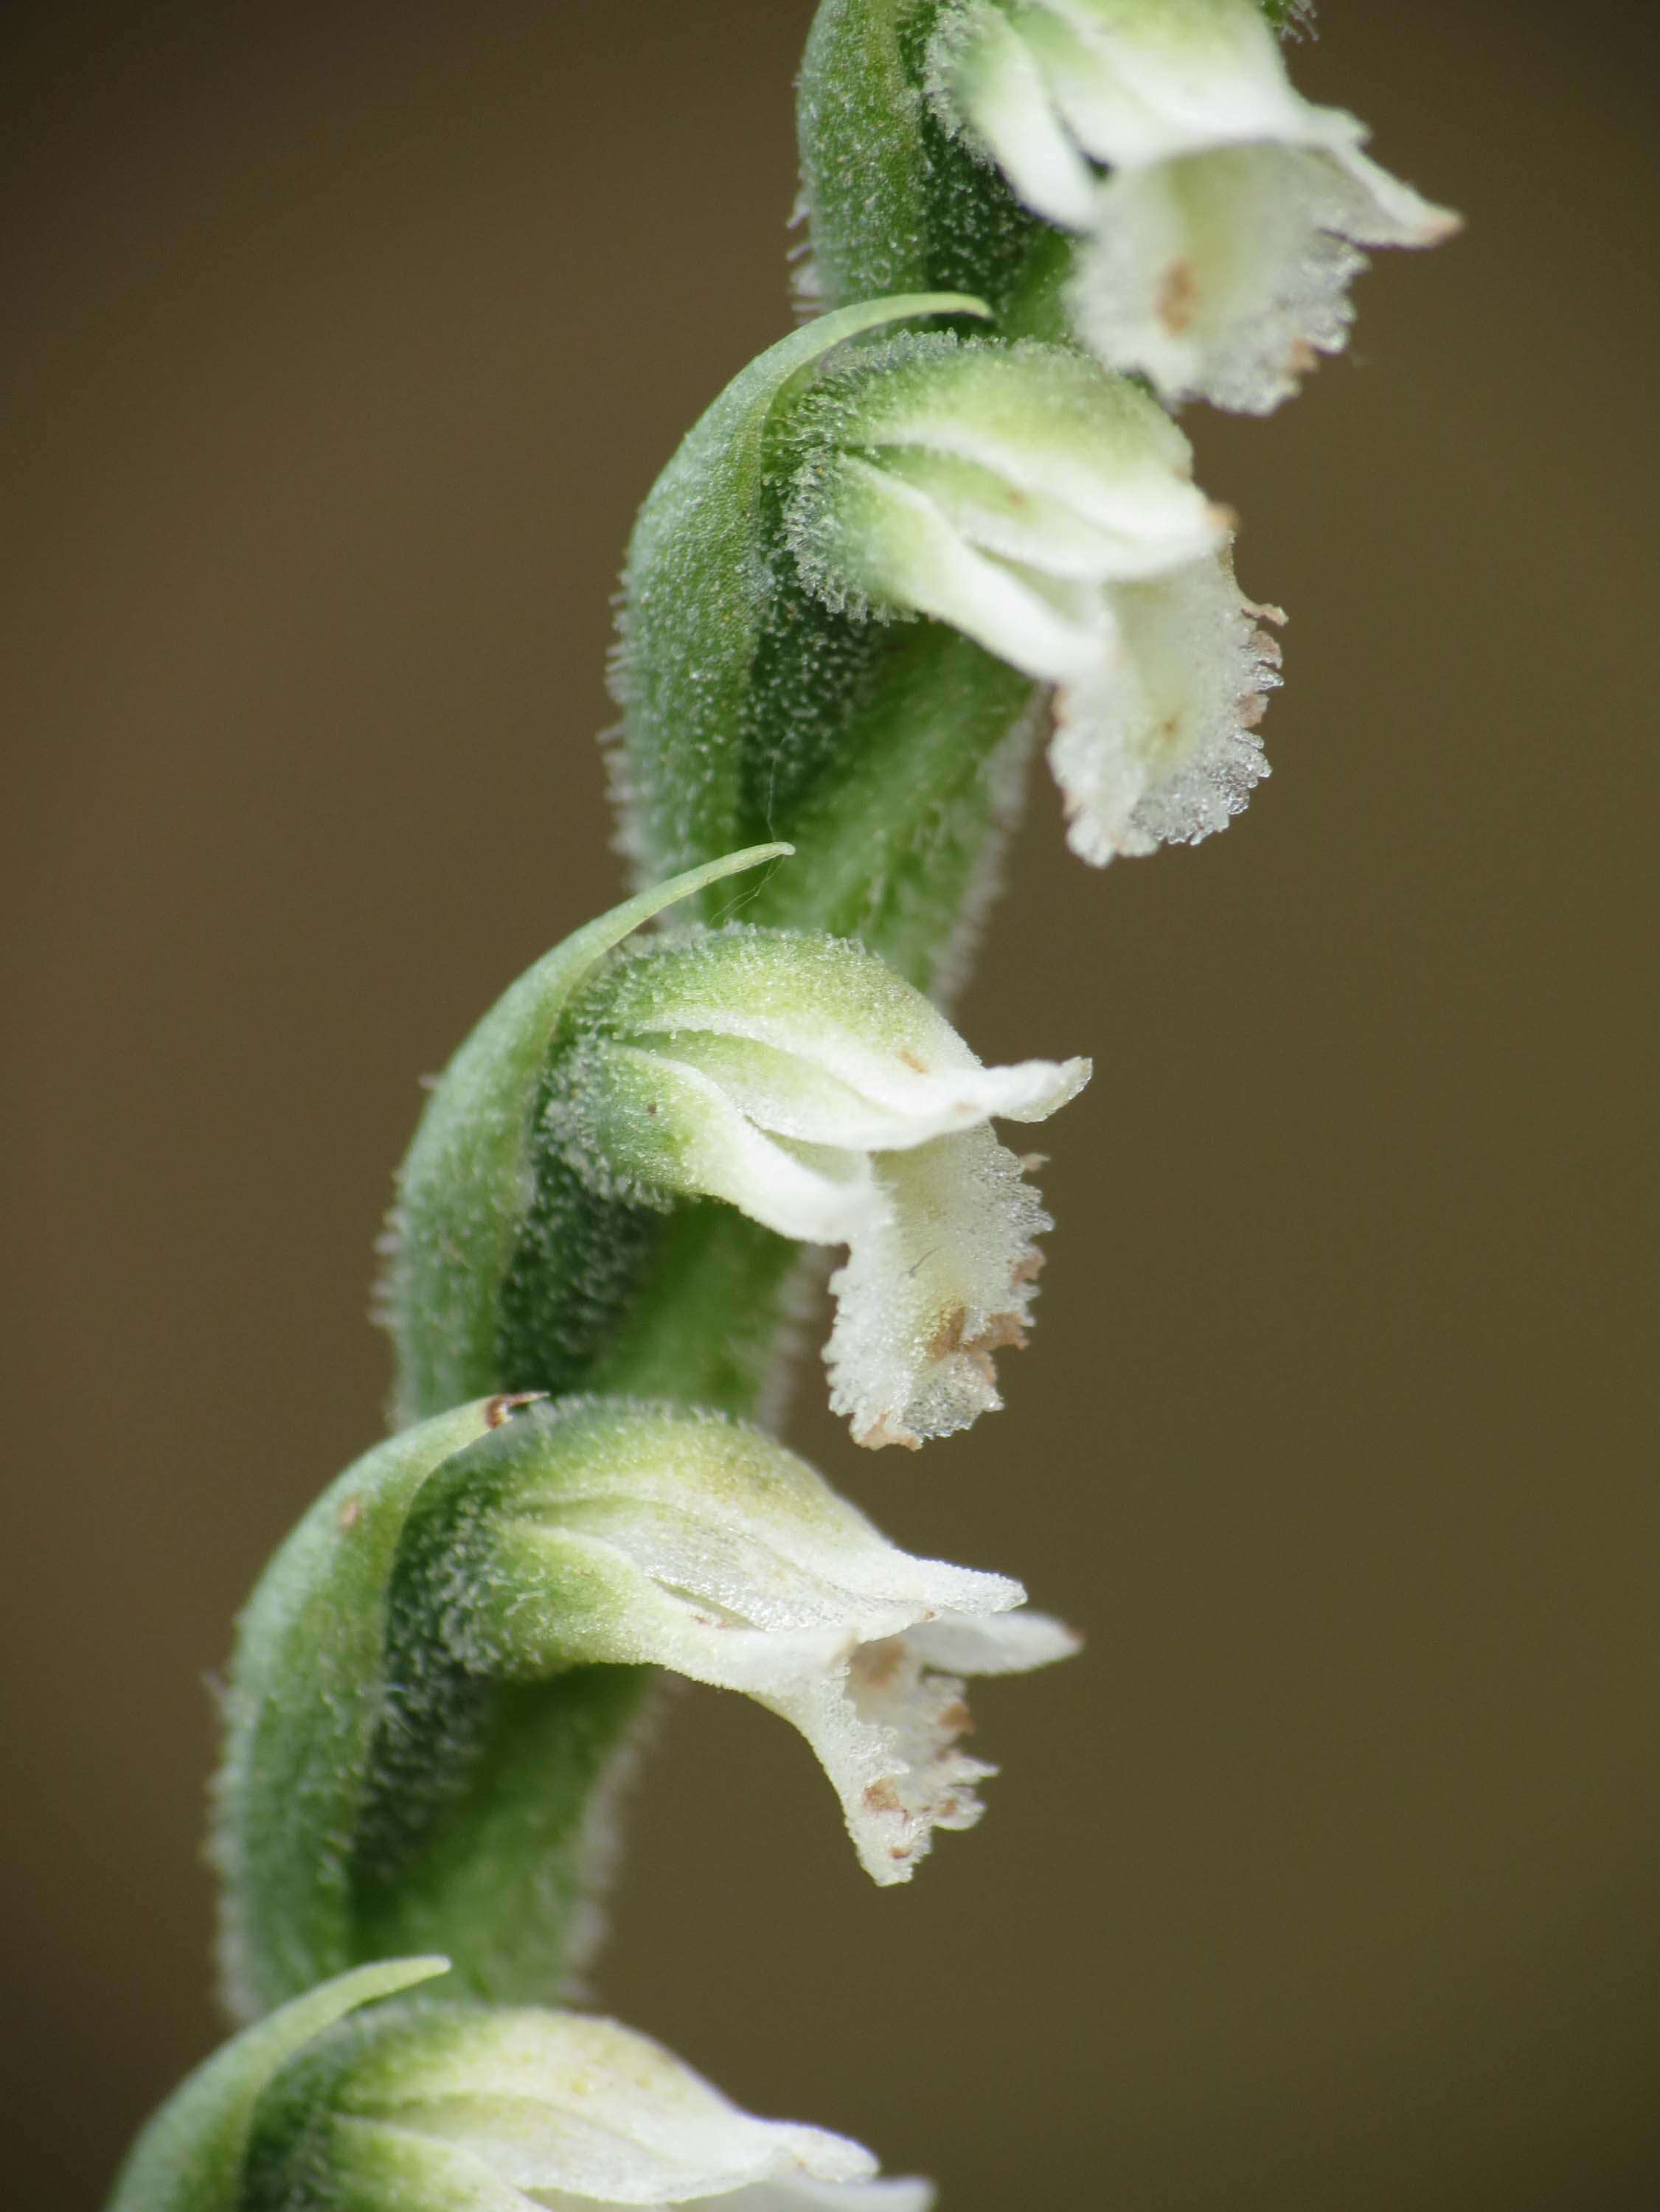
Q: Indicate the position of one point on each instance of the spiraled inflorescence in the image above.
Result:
(947, 521)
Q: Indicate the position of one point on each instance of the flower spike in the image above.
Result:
(946, 520)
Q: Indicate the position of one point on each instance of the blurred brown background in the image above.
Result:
(341, 344)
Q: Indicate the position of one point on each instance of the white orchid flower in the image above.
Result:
(524, 2110)
(630, 1535)
(800, 1079)
(1047, 508)
(1220, 244)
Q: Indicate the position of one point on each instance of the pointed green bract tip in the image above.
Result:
(462, 1185)
(189, 2157)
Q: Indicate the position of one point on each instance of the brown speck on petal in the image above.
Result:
(1001, 1330)
(1301, 358)
(912, 1061)
(351, 1513)
(948, 1337)
(882, 1797)
(1255, 704)
(884, 1429)
(1176, 301)
(876, 1664)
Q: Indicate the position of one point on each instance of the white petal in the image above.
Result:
(816, 1040)
(376, 2163)
(642, 1124)
(982, 75)
(1380, 209)
(993, 512)
(825, 999)
(1008, 1644)
(783, 1092)
(662, 1586)
(1139, 80)
(933, 1287)
(996, 489)
(1052, 426)
(886, 1736)
(869, 535)
(587, 1600)
(1161, 746)
(700, 1544)
(727, 1476)
(898, 2195)
(886, 1733)
(1156, 522)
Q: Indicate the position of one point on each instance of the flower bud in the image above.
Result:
(433, 2107)
(1218, 249)
(338, 2103)
(800, 1079)
(1047, 508)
